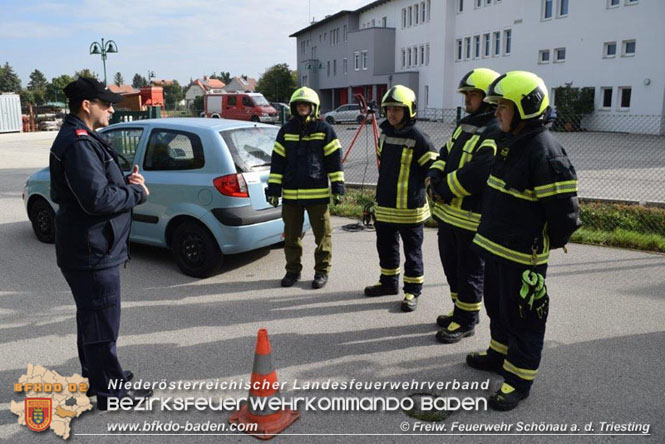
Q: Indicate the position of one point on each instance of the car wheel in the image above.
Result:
(255, 118)
(42, 217)
(330, 120)
(195, 250)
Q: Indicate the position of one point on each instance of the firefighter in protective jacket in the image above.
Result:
(306, 164)
(530, 208)
(455, 183)
(405, 154)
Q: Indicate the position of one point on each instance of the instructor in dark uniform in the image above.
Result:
(92, 230)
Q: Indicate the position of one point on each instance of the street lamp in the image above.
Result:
(109, 47)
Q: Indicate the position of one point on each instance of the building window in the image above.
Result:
(364, 53)
(479, 3)
(631, 2)
(429, 9)
(335, 67)
(487, 47)
(384, 22)
(559, 55)
(467, 48)
(403, 57)
(328, 68)
(408, 57)
(427, 54)
(345, 65)
(345, 33)
(606, 98)
(356, 60)
(547, 9)
(403, 17)
(544, 56)
(563, 8)
(304, 80)
(415, 56)
(488, 2)
(423, 14)
(613, 3)
(422, 54)
(624, 97)
(508, 38)
(460, 6)
(476, 46)
(416, 13)
(410, 16)
(373, 23)
(628, 48)
(426, 95)
(458, 53)
(497, 43)
(609, 49)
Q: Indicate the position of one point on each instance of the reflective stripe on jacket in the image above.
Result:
(531, 202)
(459, 174)
(305, 159)
(405, 155)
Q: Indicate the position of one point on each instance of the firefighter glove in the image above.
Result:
(533, 295)
(273, 200)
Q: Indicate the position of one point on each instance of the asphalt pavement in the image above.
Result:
(602, 360)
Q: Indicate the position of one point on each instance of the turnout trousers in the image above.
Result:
(319, 218)
(516, 342)
(387, 245)
(464, 270)
(97, 297)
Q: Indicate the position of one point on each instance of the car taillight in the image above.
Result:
(233, 185)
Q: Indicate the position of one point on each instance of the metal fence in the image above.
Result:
(618, 158)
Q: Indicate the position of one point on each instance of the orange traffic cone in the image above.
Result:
(264, 384)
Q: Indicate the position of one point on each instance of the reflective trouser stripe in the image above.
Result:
(468, 306)
(453, 296)
(391, 272)
(523, 373)
(499, 347)
(414, 280)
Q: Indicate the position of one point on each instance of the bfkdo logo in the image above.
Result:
(38, 413)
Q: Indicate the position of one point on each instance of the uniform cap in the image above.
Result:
(85, 88)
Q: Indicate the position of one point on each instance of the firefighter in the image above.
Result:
(405, 154)
(530, 208)
(306, 165)
(455, 183)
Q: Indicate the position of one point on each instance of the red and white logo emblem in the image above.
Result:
(38, 413)
(81, 132)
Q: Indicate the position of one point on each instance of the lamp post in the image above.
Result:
(104, 48)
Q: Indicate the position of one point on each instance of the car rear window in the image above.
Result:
(250, 147)
(173, 150)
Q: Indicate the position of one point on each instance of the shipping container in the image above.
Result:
(10, 113)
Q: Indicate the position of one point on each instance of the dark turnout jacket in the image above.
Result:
(531, 203)
(94, 216)
(405, 155)
(459, 174)
(305, 158)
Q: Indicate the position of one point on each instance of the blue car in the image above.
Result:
(207, 181)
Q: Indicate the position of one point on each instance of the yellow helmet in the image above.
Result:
(400, 95)
(307, 95)
(479, 78)
(525, 89)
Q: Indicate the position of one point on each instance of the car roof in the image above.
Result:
(194, 122)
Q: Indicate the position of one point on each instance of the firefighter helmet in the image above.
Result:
(400, 95)
(525, 89)
(479, 78)
(307, 95)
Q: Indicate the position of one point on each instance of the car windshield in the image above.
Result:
(260, 100)
(251, 147)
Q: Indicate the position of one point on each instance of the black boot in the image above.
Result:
(409, 303)
(290, 278)
(506, 398)
(454, 332)
(444, 320)
(320, 280)
(379, 289)
(483, 361)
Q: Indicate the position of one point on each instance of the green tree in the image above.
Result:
(223, 76)
(197, 105)
(85, 72)
(9, 81)
(118, 79)
(173, 94)
(37, 87)
(139, 81)
(277, 83)
(54, 90)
